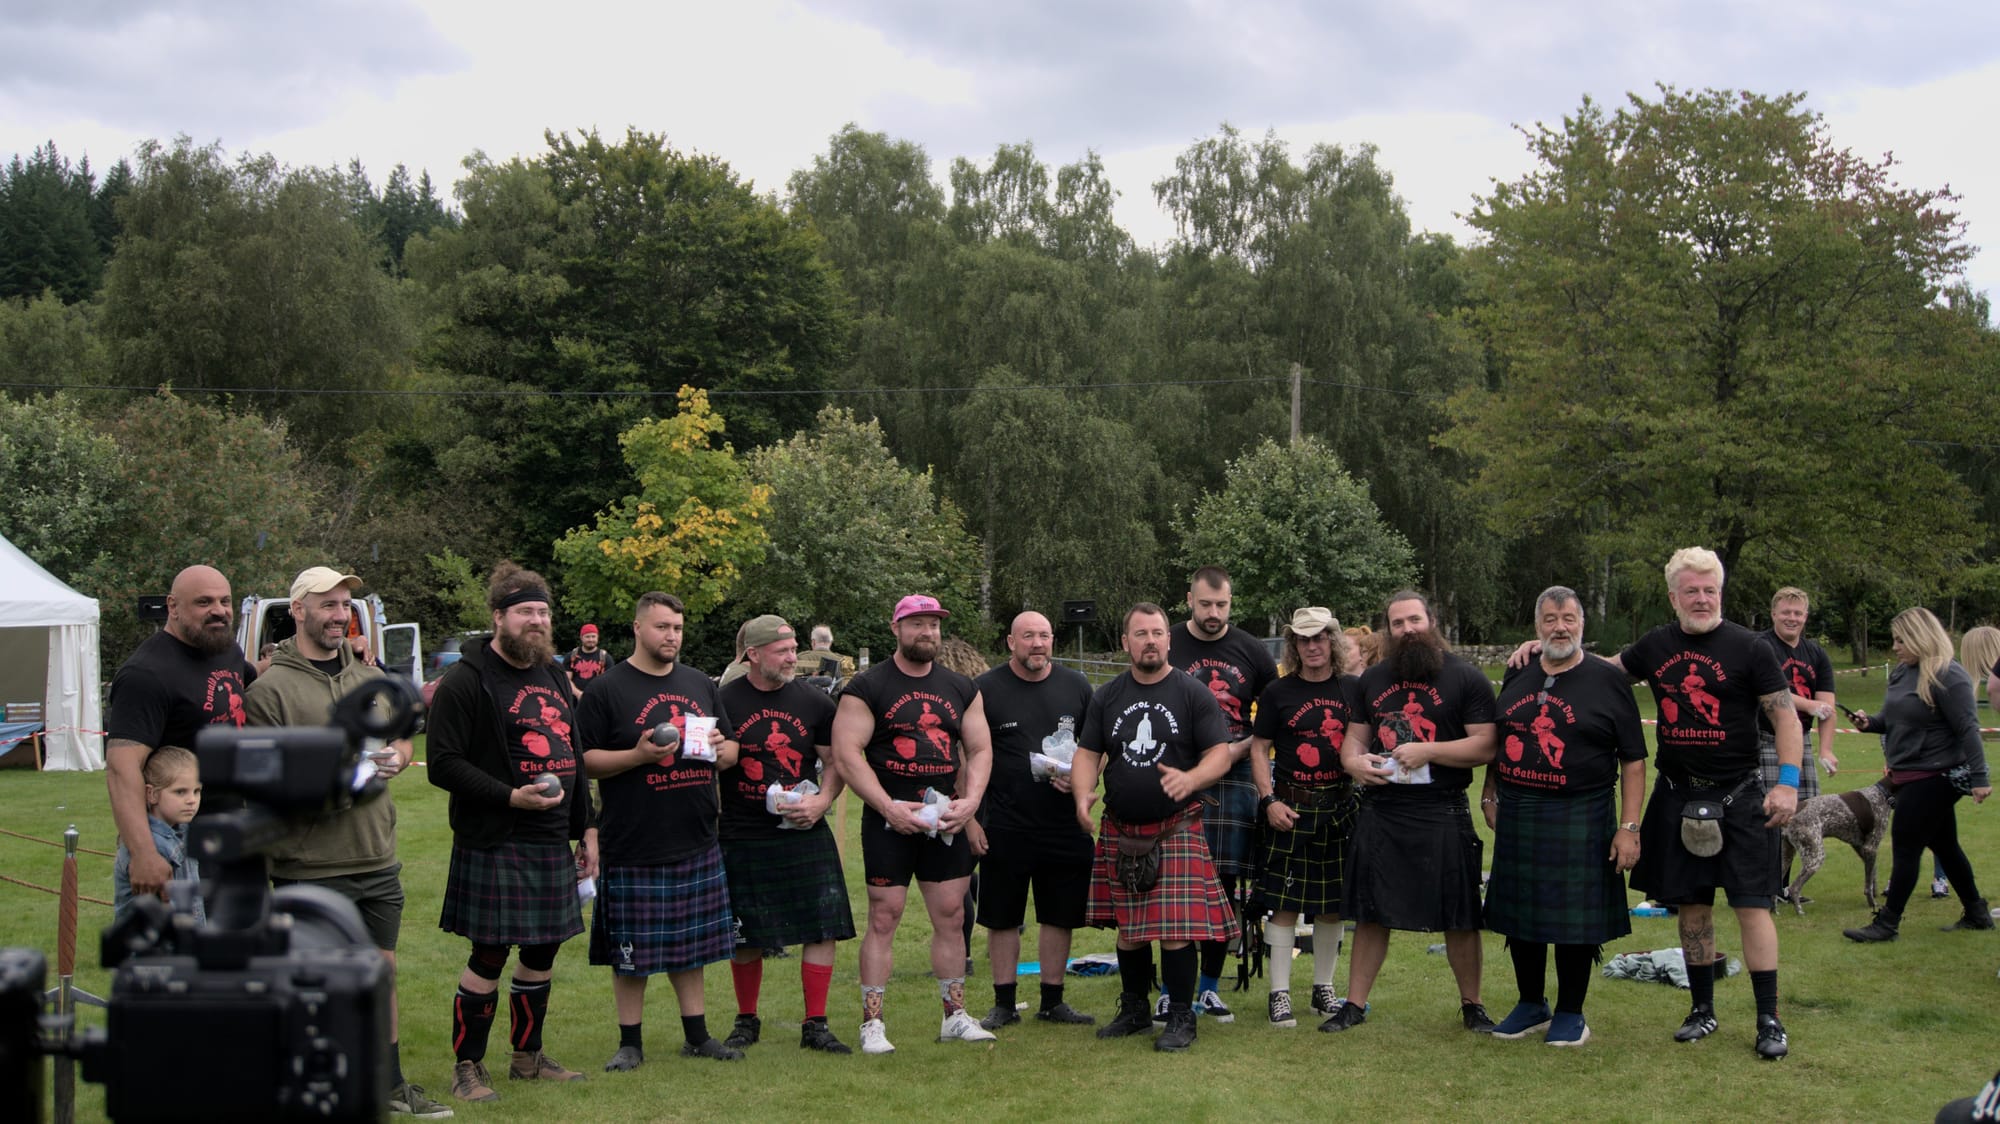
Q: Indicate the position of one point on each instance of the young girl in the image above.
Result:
(173, 796)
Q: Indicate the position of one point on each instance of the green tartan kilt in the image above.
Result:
(789, 890)
(1553, 878)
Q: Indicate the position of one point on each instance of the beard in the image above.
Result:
(1149, 662)
(773, 675)
(919, 651)
(1559, 652)
(530, 647)
(211, 637)
(1699, 628)
(1209, 629)
(1418, 657)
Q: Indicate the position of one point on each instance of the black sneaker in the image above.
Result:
(1067, 1015)
(1699, 1024)
(1475, 1017)
(1771, 1041)
(745, 1032)
(1001, 1015)
(1280, 1006)
(1349, 1016)
(1325, 1002)
(1179, 1034)
(627, 1058)
(814, 1034)
(1133, 1017)
(710, 1048)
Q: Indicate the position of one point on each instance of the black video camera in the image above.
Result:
(278, 1007)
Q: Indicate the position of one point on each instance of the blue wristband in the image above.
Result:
(1788, 774)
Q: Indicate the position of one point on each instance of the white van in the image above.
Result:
(398, 648)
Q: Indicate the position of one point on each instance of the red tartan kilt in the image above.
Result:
(1187, 904)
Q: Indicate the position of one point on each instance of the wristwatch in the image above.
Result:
(1631, 827)
(1264, 803)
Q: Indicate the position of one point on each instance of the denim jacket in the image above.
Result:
(171, 842)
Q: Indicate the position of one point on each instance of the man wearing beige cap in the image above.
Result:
(352, 852)
(905, 727)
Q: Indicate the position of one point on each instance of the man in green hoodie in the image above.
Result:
(352, 852)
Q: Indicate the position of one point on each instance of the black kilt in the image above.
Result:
(789, 890)
(1416, 861)
(1305, 869)
(1750, 865)
(1553, 880)
(1229, 823)
(515, 893)
(673, 917)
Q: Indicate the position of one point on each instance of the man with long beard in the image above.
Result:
(1235, 667)
(1425, 722)
(899, 730)
(663, 902)
(499, 723)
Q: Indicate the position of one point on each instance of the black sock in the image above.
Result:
(1213, 953)
(1005, 995)
(395, 1064)
(695, 1029)
(629, 1036)
(1052, 996)
(1135, 970)
(1701, 984)
(527, 1008)
(1764, 985)
(471, 1020)
(1531, 969)
(1177, 968)
(1573, 967)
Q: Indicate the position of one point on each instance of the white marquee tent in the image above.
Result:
(48, 651)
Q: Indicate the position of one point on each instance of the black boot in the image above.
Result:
(1134, 1016)
(1977, 916)
(1883, 928)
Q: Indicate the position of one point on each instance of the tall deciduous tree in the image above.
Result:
(1293, 528)
(61, 502)
(695, 524)
(852, 531)
(1712, 325)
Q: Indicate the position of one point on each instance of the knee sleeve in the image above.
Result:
(487, 960)
(538, 957)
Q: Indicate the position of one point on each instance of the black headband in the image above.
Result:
(522, 596)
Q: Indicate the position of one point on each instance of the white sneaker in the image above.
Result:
(875, 1038)
(961, 1027)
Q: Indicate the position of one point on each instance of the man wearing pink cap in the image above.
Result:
(904, 726)
(586, 661)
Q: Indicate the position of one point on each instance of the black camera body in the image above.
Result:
(278, 1007)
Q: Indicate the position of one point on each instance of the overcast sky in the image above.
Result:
(1437, 85)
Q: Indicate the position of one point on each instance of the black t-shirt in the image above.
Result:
(1021, 715)
(917, 724)
(1438, 711)
(1567, 737)
(666, 811)
(1307, 724)
(586, 666)
(780, 733)
(1138, 726)
(1235, 668)
(1806, 668)
(535, 713)
(1707, 688)
(167, 691)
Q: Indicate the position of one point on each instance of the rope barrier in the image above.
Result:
(53, 843)
(46, 890)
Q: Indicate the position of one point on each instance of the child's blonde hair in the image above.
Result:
(168, 762)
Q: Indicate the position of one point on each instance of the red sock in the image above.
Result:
(817, 978)
(749, 980)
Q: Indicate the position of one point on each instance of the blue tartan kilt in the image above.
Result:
(1229, 823)
(515, 893)
(673, 917)
(788, 890)
(1553, 879)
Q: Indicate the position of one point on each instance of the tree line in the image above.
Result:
(1696, 319)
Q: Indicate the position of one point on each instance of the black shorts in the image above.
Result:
(890, 858)
(1056, 864)
(378, 894)
(1749, 870)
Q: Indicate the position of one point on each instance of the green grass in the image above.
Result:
(1878, 1032)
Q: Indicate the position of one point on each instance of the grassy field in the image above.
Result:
(1884, 1032)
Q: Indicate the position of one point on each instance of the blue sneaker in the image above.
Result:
(1523, 1020)
(1568, 1029)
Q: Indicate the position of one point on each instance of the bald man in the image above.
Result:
(1031, 836)
(188, 675)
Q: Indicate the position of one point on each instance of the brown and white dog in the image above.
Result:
(1859, 818)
